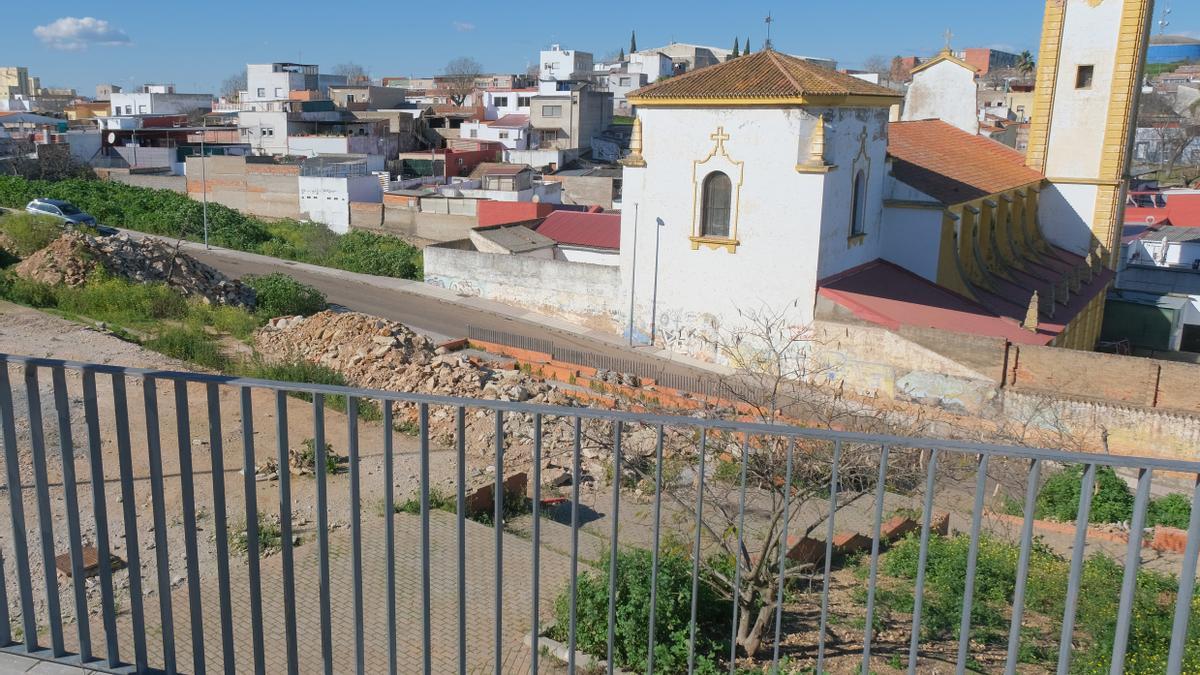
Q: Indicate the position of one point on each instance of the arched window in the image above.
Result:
(714, 220)
(858, 205)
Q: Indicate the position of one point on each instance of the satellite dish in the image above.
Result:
(1150, 220)
(112, 137)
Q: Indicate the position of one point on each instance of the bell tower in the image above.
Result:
(1088, 79)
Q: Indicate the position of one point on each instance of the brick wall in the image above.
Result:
(1123, 380)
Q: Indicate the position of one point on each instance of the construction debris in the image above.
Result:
(72, 258)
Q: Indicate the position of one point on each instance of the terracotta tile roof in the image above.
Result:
(512, 121)
(764, 74)
(574, 228)
(951, 165)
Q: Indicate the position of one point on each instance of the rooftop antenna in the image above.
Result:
(1163, 21)
(768, 21)
(949, 35)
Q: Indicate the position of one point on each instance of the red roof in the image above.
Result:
(513, 121)
(578, 228)
(891, 296)
(1181, 210)
(953, 166)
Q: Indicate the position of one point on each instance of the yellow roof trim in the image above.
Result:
(845, 101)
(944, 56)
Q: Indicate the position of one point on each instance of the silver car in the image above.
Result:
(67, 212)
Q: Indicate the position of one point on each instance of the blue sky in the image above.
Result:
(79, 43)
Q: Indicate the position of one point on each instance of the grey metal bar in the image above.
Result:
(1018, 603)
(426, 591)
(696, 553)
(99, 512)
(66, 447)
(536, 553)
(389, 510)
(658, 461)
(158, 508)
(498, 528)
(922, 558)
(737, 558)
(460, 508)
(285, 530)
(16, 502)
(187, 495)
(1066, 640)
(5, 616)
(356, 530)
(578, 442)
(833, 507)
(1133, 558)
(37, 444)
(880, 493)
(614, 517)
(1187, 586)
(129, 514)
(783, 537)
(1135, 462)
(250, 488)
(964, 627)
(323, 535)
(216, 449)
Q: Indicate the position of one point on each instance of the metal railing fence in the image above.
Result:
(208, 618)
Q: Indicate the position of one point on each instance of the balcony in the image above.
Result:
(420, 549)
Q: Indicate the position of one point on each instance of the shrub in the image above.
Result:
(114, 300)
(278, 294)
(307, 457)
(190, 342)
(672, 614)
(370, 253)
(270, 536)
(305, 372)
(25, 292)
(29, 233)
(1173, 510)
(438, 500)
(1112, 501)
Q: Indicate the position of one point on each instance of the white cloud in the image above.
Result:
(463, 26)
(73, 33)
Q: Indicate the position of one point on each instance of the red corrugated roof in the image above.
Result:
(576, 228)
(1180, 210)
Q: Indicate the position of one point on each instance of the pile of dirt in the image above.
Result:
(72, 257)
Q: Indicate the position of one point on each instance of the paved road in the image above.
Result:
(431, 310)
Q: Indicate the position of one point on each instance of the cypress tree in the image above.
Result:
(747, 49)
(736, 52)
(632, 42)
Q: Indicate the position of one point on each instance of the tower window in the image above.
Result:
(858, 206)
(1083, 77)
(715, 217)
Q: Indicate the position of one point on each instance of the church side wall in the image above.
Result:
(911, 239)
(945, 91)
(777, 213)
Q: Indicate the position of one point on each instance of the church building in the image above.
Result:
(768, 183)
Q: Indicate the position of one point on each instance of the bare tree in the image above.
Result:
(778, 380)
(459, 78)
(879, 65)
(46, 162)
(353, 72)
(1172, 135)
(233, 85)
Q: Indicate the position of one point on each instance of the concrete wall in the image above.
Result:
(267, 190)
(578, 292)
(400, 218)
(588, 190)
(945, 91)
(153, 181)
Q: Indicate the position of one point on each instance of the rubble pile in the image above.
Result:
(379, 354)
(72, 257)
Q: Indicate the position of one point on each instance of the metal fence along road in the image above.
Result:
(197, 592)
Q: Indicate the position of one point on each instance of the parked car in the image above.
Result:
(68, 213)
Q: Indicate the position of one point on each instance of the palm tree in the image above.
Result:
(1025, 63)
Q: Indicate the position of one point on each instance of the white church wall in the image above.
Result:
(946, 91)
(776, 212)
(856, 139)
(1061, 209)
(911, 237)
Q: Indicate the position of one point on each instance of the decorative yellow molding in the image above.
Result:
(855, 240)
(805, 168)
(945, 55)
(1049, 56)
(816, 150)
(714, 243)
(852, 101)
(1084, 181)
(635, 159)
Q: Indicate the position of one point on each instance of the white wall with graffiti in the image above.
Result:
(582, 293)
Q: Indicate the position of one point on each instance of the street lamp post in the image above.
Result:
(204, 176)
(659, 225)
